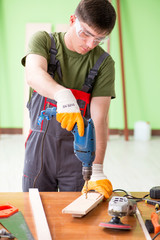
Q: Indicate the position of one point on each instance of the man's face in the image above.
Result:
(84, 38)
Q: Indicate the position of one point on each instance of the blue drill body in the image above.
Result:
(84, 147)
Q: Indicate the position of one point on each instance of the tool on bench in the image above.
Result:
(5, 234)
(119, 207)
(153, 202)
(153, 225)
(14, 222)
(155, 222)
(84, 147)
(155, 192)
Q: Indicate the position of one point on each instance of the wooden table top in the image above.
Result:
(64, 226)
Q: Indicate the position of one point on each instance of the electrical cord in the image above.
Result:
(137, 200)
(120, 190)
(42, 162)
(130, 196)
(156, 236)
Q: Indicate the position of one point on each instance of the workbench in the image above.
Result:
(64, 226)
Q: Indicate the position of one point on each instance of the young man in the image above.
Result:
(50, 163)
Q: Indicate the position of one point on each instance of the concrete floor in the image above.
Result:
(130, 165)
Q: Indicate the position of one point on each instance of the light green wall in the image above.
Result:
(141, 34)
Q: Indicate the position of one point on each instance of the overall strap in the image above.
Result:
(54, 64)
(90, 79)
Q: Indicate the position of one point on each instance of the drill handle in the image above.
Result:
(51, 112)
(84, 147)
(47, 114)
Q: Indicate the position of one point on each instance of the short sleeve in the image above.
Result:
(105, 82)
(39, 44)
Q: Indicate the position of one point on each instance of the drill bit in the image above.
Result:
(86, 188)
(86, 172)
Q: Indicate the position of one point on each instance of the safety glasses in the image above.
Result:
(84, 34)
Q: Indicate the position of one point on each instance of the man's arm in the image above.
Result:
(68, 112)
(38, 78)
(98, 181)
(99, 112)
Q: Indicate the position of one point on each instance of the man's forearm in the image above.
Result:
(99, 112)
(101, 143)
(38, 78)
(44, 84)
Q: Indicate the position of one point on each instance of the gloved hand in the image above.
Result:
(99, 182)
(68, 112)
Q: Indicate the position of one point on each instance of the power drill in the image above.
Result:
(84, 147)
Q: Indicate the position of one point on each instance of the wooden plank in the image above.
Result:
(146, 233)
(141, 222)
(81, 206)
(41, 224)
(122, 70)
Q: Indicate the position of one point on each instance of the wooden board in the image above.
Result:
(81, 206)
(41, 224)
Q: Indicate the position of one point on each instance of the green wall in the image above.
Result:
(141, 34)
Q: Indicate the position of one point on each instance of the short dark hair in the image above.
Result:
(98, 14)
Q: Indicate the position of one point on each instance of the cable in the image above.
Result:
(137, 200)
(120, 190)
(155, 236)
(42, 148)
(130, 196)
(146, 195)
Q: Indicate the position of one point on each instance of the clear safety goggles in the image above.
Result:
(84, 34)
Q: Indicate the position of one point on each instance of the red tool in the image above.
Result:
(7, 210)
(155, 222)
(12, 219)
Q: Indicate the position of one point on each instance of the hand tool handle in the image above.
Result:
(7, 210)
(155, 219)
(153, 202)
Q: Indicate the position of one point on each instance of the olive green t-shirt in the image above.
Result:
(74, 66)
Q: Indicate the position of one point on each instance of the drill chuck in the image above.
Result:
(86, 172)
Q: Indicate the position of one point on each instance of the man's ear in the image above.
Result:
(72, 19)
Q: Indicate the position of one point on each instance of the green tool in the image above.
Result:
(14, 222)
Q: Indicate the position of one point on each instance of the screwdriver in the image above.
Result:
(153, 202)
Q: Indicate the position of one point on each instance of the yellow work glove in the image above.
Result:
(99, 182)
(68, 112)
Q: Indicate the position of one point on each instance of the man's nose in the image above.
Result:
(90, 42)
